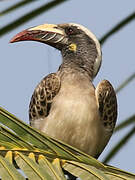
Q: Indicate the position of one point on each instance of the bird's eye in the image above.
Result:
(69, 31)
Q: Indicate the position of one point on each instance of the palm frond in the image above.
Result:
(27, 17)
(119, 145)
(117, 27)
(86, 172)
(124, 140)
(125, 83)
(16, 6)
(45, 144)
(125, 123)
(42, 157)
(8, 171)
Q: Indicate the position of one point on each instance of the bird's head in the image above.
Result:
(73, 40)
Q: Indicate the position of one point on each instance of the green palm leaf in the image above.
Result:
(125, 123)
(126, 82)
(8, 171)
(89, 172)
(27, 17)
(50, 146)
(16, 6)
(117, 27)
(119, 145)
(42, 157)
(124, 140)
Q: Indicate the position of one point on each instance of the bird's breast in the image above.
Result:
(74, 118)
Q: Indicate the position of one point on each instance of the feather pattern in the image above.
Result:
(107, 103)
(43, 96)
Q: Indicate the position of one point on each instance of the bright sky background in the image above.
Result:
(24, 64)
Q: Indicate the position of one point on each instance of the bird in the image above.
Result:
(65, 104)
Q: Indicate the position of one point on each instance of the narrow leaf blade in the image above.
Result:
(8, 171)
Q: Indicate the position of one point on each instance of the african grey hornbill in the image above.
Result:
(65, 104)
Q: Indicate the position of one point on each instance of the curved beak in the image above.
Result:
(50, 34)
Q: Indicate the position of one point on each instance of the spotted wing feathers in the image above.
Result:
(107, 103)
(43, 96)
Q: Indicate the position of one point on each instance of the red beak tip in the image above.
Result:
(12, 40)
(19, 37)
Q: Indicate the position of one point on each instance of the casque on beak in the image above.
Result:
(50, 34)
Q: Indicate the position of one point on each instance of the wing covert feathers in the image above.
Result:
(107, 103)
(43, 96)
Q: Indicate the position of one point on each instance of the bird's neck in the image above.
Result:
(77, 65)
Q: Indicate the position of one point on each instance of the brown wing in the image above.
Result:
(42, 98)
(107, 102)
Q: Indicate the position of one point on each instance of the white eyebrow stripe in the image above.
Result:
(98, 47)
(91, 35)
